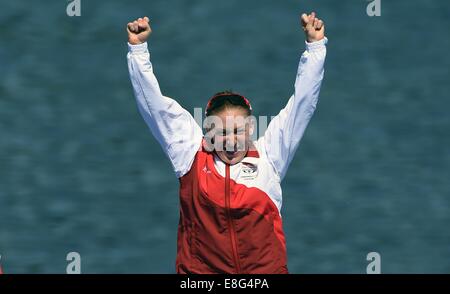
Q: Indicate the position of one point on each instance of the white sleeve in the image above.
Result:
(173, 126)
(285, 130)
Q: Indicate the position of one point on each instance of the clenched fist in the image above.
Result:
(314, 28)
(138, 31)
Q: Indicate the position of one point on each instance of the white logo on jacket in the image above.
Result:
(249, 171)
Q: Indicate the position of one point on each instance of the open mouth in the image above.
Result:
(230, 153)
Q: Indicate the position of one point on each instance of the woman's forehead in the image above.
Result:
(232, 122)
(232, 111)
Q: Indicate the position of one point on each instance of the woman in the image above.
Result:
(230, 193)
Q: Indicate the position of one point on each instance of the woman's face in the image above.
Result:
(231, 131)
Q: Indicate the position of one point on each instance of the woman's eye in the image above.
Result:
(221, 134)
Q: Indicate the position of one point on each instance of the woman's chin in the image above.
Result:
(231, 157)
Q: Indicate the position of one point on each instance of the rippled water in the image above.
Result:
(79, 170)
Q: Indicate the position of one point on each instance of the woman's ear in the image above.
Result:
(251, 121)
(209, 139)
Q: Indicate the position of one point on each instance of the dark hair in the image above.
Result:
(222, 100)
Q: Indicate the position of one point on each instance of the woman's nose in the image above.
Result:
(230, 141)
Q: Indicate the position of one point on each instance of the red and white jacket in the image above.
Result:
(230, 219)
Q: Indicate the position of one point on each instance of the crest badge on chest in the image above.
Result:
(249, 171)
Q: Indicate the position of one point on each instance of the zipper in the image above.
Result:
(230, 220)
